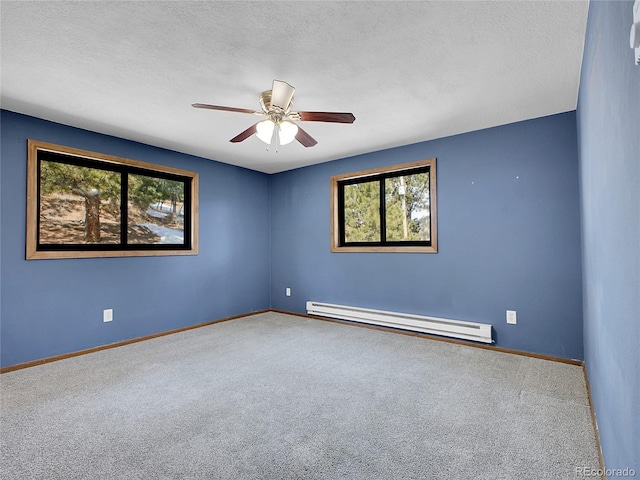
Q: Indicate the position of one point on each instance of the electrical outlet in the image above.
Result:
(107, 315)
(288, 292)
(511, 317)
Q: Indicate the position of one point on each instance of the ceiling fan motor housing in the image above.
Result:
(275, 113)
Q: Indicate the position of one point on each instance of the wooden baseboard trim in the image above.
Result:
(55, 358)
(436, 338)
(42, 361)
(595, 422)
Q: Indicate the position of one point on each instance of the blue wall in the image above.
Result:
(508, 227)
(51, 307)
(609, 152)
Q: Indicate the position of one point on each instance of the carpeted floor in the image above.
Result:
(275, 396)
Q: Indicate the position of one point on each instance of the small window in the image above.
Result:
(391, 209)
(85, 204)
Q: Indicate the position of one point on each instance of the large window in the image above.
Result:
(86, 204)
(391, 209)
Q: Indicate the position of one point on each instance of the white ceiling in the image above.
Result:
(409, 71)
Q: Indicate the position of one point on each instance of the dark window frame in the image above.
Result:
(338, 183)
(39, 152)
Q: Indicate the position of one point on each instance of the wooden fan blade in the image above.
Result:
(304, 138)
(225, 109)
(281, 94)
(335, 117)
(244, 135)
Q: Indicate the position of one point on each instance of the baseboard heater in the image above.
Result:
(479, 332)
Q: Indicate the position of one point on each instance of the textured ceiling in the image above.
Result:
(409, 71)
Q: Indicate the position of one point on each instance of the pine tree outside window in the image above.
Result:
(85, 204)
(390, 209)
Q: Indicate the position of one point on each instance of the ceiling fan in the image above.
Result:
(279, 127)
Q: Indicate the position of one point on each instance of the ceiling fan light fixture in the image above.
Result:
(276, 106)
(264, 131)
(287, 132)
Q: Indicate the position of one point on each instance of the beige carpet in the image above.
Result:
(275, 396)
